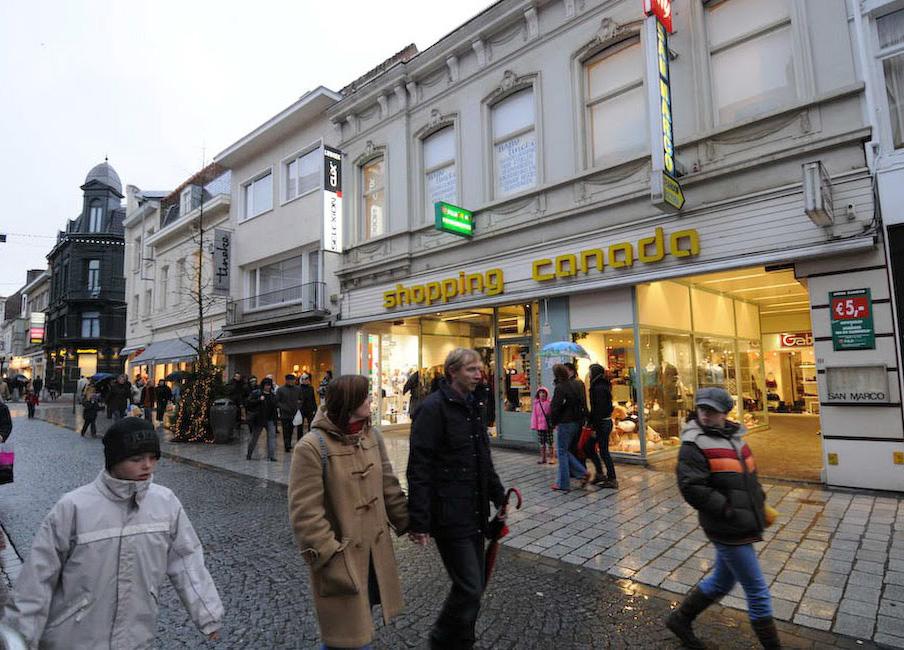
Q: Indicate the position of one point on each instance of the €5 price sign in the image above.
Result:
(852, 320)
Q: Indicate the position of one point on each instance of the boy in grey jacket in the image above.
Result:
(98, 560)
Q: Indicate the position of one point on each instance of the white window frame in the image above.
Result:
(180, 281)
(164, 286)
(451, 162)
(136, 255)
(185, 201)
(317, 150)
(148, 302)
(136, 307)
(751, 34)
(252, 277)
(887, 144)
(364, 193)
(589, 102)
(533, 86)
(92, 319)
(243, 194)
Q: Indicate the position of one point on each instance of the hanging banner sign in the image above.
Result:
(665, 192)
(222, 258)
(36, 327)
(852, 320)
(332, 200)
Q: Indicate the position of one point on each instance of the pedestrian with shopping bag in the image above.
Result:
(307, 404)
(98, 561)
(568, 413)
(717, 476)
(343, 499)
(451, 483)
(287, 399)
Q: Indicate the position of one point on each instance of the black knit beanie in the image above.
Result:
(130, 437)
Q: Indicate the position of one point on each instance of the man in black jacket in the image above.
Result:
(262, 414)
(307, 404)
(288, 398)
(717, 476)
(119, 396)
(451, 482)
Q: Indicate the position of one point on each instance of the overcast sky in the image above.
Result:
(159, 86)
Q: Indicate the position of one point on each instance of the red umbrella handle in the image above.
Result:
(517, 495)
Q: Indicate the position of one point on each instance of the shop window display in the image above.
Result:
(667, 380)
(716, 366)
(753, 383)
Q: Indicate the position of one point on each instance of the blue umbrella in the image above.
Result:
(101, 376)
(564, 349)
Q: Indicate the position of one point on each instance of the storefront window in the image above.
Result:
(753, 383)
(716, 367)
(667, 379)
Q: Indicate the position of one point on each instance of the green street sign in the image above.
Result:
(852, 320)
(450, 218)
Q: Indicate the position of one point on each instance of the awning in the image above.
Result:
(168, 350)
(129, 349)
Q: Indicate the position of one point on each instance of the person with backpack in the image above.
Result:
(601, 422)
(568, 412)
(717, 476)
(343, 499)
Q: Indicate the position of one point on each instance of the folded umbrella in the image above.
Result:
(497, 530)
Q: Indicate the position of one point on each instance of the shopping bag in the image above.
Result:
(586, 434)
(6, 463)
(298, 419)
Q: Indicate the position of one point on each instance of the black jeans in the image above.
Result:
(602, 435)
(288, 429)
(90, 422)
(31, 410)
(465, 564)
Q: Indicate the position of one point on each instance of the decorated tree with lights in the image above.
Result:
(205, 384)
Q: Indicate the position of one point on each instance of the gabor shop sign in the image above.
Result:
(620, 255)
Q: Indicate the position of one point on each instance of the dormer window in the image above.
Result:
(95, 217)
(189, 199)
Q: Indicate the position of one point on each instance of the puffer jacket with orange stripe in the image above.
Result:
(717, 476)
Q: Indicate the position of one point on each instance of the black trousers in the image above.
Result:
(90, 422)
(31, 410)
(288, 429)
(465, 563)
(602, 435)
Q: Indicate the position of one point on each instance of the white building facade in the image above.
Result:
(171, 243)
(283, 288)
(543, 119)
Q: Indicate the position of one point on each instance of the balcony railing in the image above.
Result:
(285, 304)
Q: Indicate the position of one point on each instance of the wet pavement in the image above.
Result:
(835, 560)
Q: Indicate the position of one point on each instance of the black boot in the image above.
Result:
(766, 633)
(680, 620)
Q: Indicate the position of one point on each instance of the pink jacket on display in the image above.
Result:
(538, 421)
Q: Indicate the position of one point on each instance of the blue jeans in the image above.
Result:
(566, 434)
(271, 438)
(739, 564)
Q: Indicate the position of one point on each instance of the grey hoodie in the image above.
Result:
(96, 566)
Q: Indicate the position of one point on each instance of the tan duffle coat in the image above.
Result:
(341, 516)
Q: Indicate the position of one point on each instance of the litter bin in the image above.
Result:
(222, 420)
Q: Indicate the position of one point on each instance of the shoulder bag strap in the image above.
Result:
(323, 453)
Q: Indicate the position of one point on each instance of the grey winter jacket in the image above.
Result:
(288, 400)
(96, 566)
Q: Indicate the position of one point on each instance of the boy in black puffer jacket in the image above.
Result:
(717, 476)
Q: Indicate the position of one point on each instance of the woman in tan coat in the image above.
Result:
(343, 497)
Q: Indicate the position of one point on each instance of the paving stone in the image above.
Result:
(895, 578)
(783, 609)
(817, 608)
(794, 578)
(824, 592)
(890, 625)
(865, 594)
(865, 579)
(809, 621)
(856, 626)
(805, 566)
(786, 591)
(891, 608)
(830, 579)
(876, 568)
(858, 608)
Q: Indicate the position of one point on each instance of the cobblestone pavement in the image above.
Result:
(835, 561)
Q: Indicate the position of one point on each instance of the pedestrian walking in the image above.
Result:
(539, 422)
(451, 482)
(288, 397)
(321, 390)
(148, 400)
(53, 387)
(163, 397)
(31, 402)
(99, 559)
(601, 423)
(4, 389)
(263, 413)
(91, 406)
(307, 404)
(717, 476)
(238, 393)
(343, 498)
(118, 397)
(38, 385)
(568, 411)
(80, 387)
